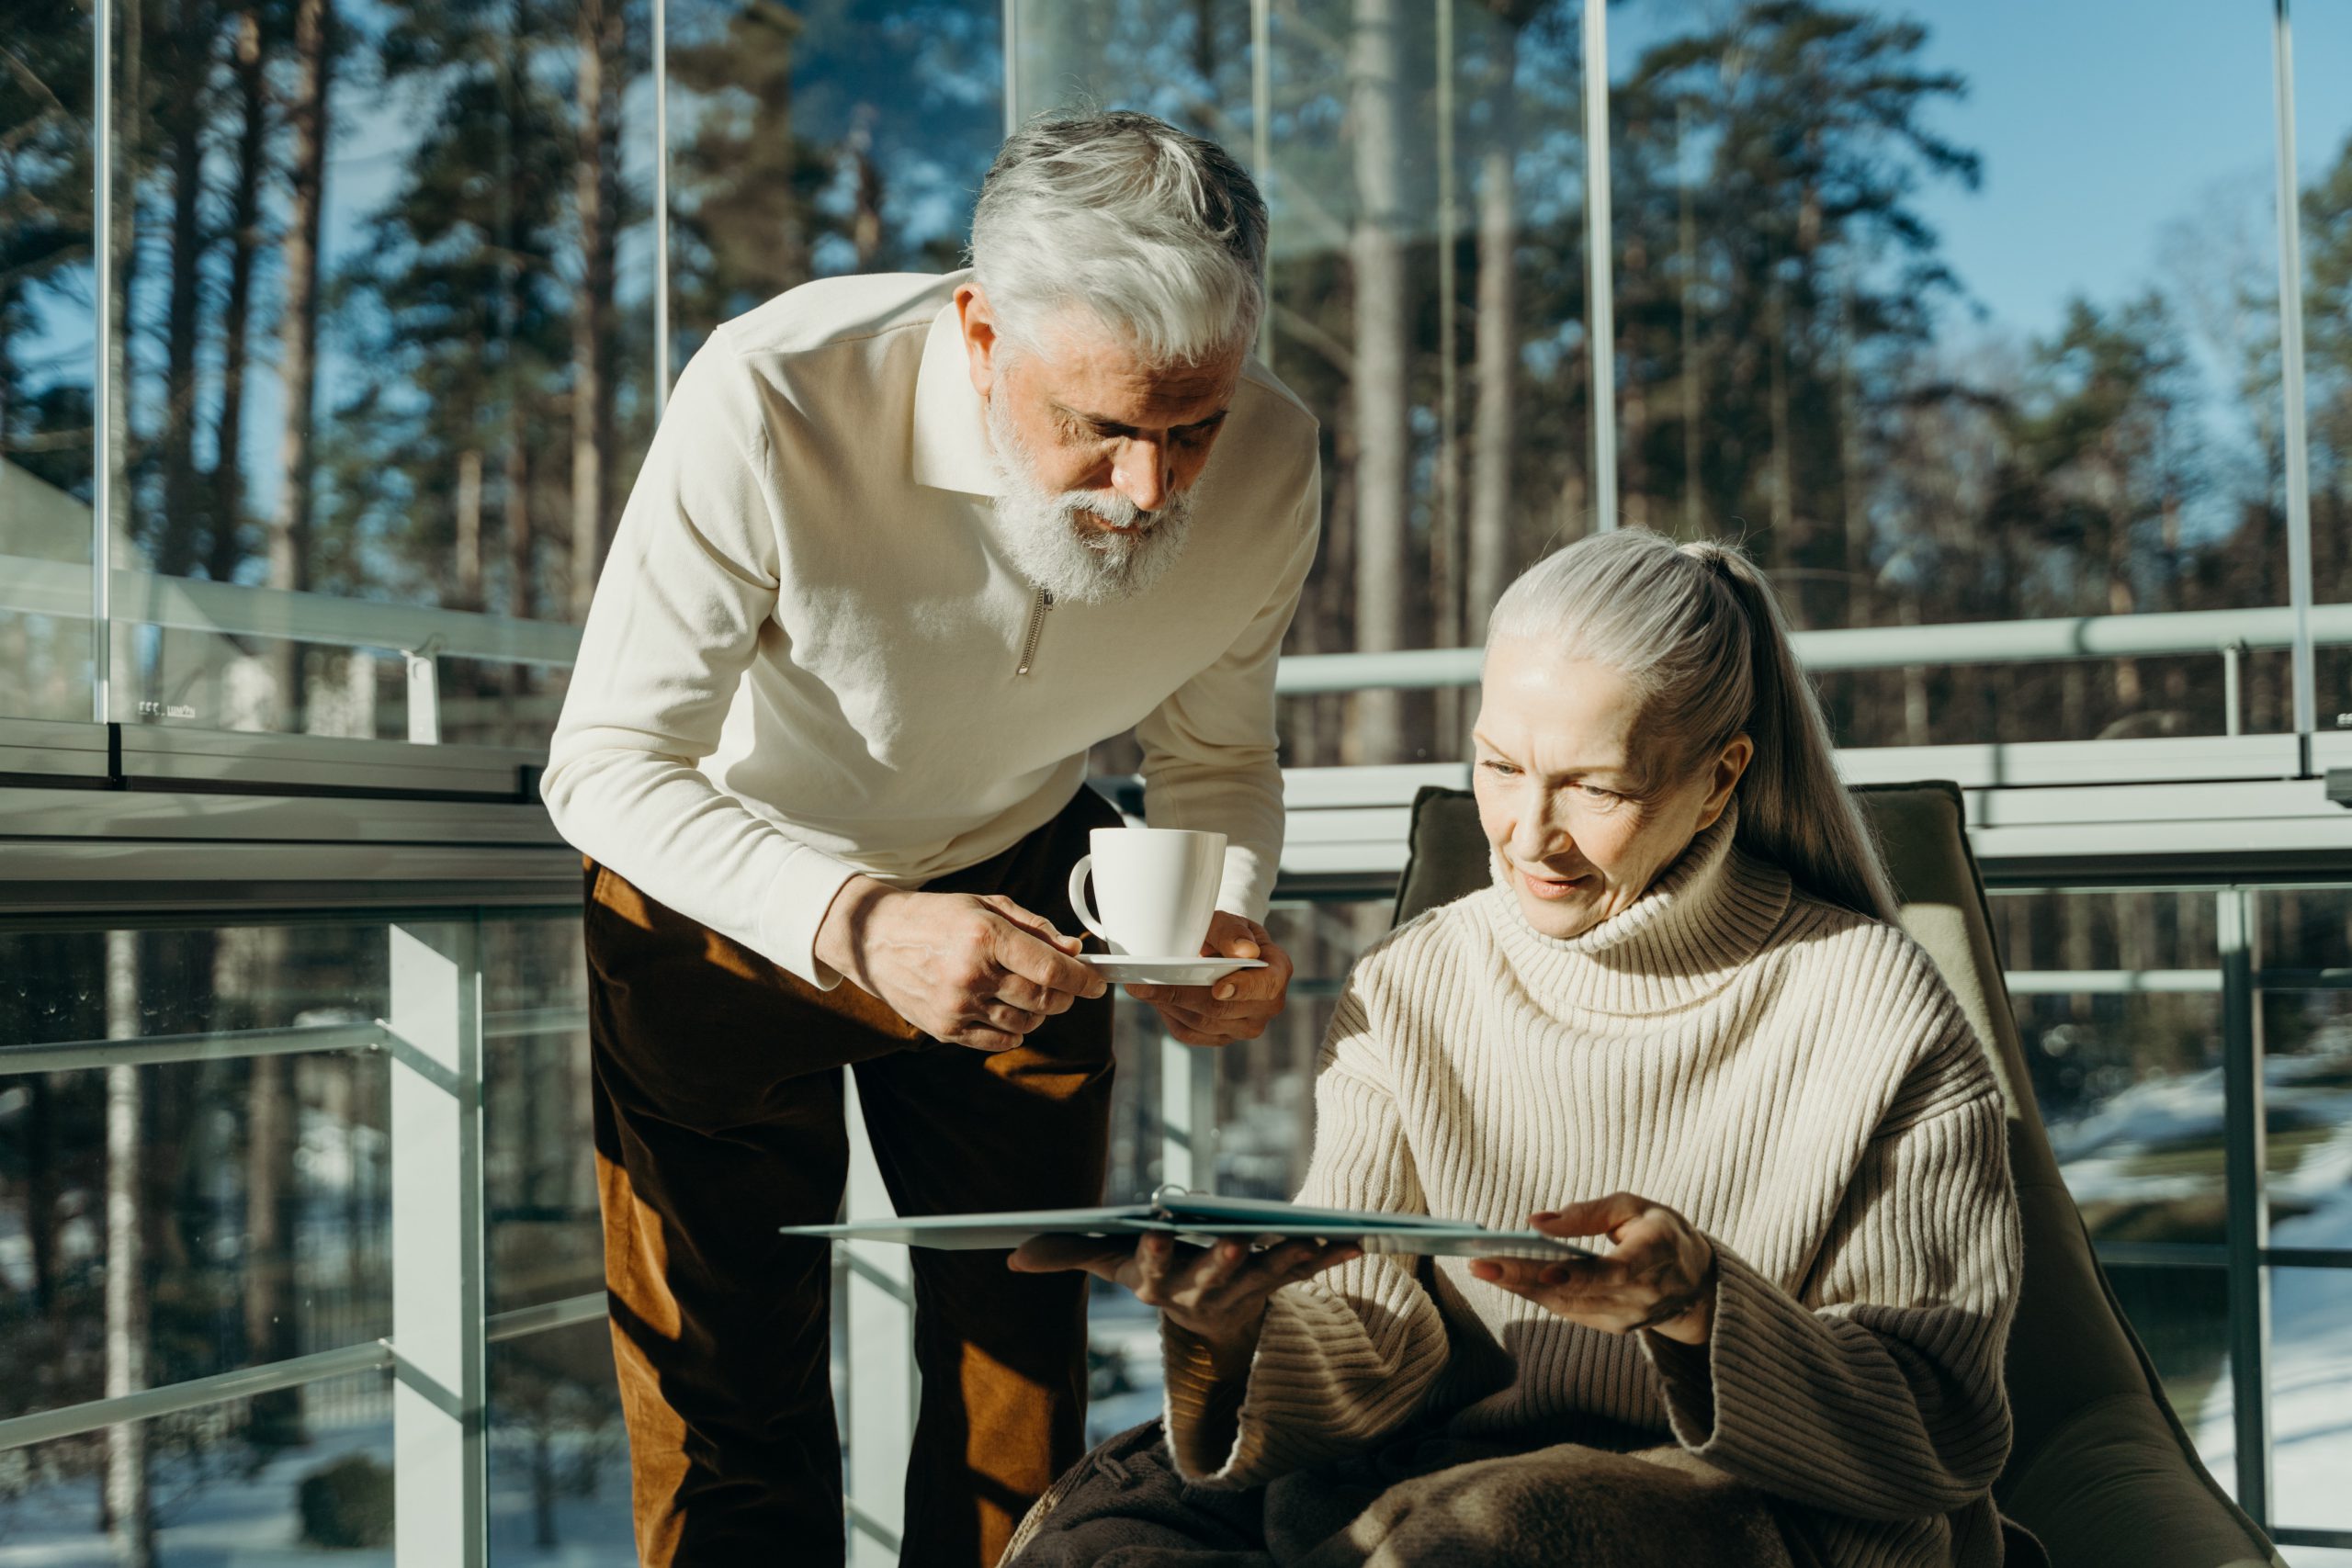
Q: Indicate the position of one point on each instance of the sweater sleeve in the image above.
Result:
(685, 597)
(1348, 1356)
(1876, 1391)
(1210, 759)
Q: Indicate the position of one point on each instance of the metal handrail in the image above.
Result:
(62, 589)
(153, 1050)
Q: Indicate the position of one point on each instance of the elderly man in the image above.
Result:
(903, 549)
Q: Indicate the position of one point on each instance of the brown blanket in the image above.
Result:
(1424, 1502)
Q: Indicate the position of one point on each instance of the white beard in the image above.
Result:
(1051, 545)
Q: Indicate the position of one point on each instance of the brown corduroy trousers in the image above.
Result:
(718, 1118)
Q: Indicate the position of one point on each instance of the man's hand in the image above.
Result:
(981, 972)
(1236, 1007)
(1660, 1275)
(1216, 1293)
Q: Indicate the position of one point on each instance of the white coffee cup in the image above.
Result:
(1157, 889)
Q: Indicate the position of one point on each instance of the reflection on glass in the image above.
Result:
(386, 294)
(2117, 1002)
(47, 356)
(213, 1492)
(559, 1457)
(1886, 309)
(2182, 1316)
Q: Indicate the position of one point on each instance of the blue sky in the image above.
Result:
(2100, 122)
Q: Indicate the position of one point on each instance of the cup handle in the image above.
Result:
(1078, 906)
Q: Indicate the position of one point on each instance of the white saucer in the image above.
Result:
(1124, 969)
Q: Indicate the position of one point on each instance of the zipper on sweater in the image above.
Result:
(1044, 602)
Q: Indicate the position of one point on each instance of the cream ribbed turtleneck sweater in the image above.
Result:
(1793, 1078)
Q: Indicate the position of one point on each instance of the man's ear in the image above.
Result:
(980, 340)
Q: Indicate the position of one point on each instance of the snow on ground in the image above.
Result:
(250, 1521)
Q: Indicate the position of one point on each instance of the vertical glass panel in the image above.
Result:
(2117, 999)
(559, 1455)
(1950, 330)
(261, 1182)
(546, 1243)
(2310, 1365)
(1423, 166)
(2182, 1315)
(48, 326)
(819, 140)
(385, 279)
(2323, 47)
(211, 1485)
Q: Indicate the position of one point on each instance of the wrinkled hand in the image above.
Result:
(1218, 1294)
(1660, 1275)
(1236, 1007)
(981, 972)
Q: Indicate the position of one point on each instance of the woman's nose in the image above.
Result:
(1533, 836)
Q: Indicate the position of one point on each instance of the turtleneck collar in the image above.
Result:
(1683, 939)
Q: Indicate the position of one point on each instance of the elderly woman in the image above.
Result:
(1678, 1020)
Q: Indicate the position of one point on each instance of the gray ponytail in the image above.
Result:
(1698, 631)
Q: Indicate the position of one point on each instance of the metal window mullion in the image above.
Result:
(2297, 456)
(1601, 327)
(102, 454)
(882, 1388)
(661, 208)
(440, 1476)
(2248, 1232)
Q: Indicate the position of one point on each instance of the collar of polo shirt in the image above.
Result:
(950, 448)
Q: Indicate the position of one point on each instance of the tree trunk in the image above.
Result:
(1379, 393)
(228, 476)
(469, 527)
(181, 531)
(595, 195)
(1686, 236)
(128, 1510)
(289, 532)
(1494, 352)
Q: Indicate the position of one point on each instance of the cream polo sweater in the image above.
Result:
(805, 656)
(1793, 1078)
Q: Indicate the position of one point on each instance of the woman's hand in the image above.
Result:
(1660, 1275)
(1217, 1294)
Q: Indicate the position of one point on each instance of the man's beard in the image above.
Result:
(1052, 545)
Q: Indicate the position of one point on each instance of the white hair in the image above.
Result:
(1045, 532)
(1157, 235)
(1697, 630)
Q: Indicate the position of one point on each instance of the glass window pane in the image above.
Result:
(819, 141)
(47, 363)
(2323, 45)
(2310, 1366)
(222, 1484)
(1423, 169)
(546, 1242)
(1951, 330)
(263, 1182)
(387, 294)
(2182, 1315)
(2117, 999)
(558, 1456)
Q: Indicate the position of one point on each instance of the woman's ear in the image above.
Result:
(1728, 767)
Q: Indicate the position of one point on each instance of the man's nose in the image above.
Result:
(1144, 474)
